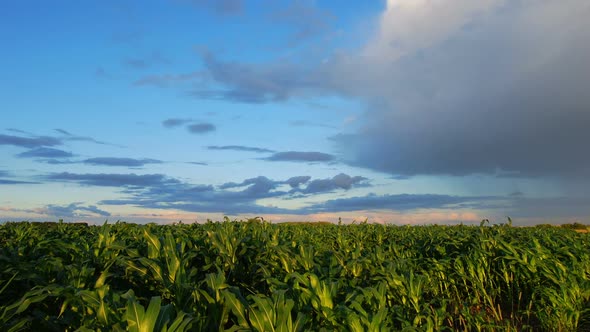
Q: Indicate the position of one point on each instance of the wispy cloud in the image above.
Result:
(10, 182)
(240, 148)
(167, 80)
(67, 136)
(45, 153)
(155, 58)
(304, 123)
(298, 156)
(28, 142)
(125, 162)
(113, 180)
(175, 122)
(305, 18)
(73, 210)
(401, 202)
(220, 7)
(201, 128)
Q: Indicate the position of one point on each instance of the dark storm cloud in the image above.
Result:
(446, 107)
(113, 180)
(438, 103)
(201, 128)
(27, 142)
(298, 156)
(175, 122)
(240, 148)
(45, 153)
(126, 162)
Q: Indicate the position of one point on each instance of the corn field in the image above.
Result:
(259, 276)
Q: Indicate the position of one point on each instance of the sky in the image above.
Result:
(397, 111)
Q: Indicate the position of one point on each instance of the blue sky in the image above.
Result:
(400, 111)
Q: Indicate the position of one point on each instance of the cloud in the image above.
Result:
(126, 162)
(251, 83)
(486, 87)
(241, 148)
(113, 180)
(175, 122)
(154, 58)
(9, 182)
(229, 198)
(74, 210)
(296, 181)
(340, 181)
(67, 136)
(27, 142)
(197, 163)
(305, 18)
(298, 156)
(167, 80)
(201, 128)
(304, 123)
(45, 153)
(454, 89)
(220, 7)
(401, 202)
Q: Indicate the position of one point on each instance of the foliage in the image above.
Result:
(258, 276)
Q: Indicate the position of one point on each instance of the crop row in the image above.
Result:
(258, 276)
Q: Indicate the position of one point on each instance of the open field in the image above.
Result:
(258, 276)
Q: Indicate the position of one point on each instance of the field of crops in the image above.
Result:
(258, 276)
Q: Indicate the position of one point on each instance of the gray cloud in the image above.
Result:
(74, 210)
(401, 202)
(299, 156)
(296, 181)
(201, 128)
(9, 182)
(249, 83)
(441, 105)
(45, 153)
(175, 122)
(229, 197)
(438, 103)
(340, 181)
(126, 162)
(27, 142)
(241, 148)
(113, 180)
